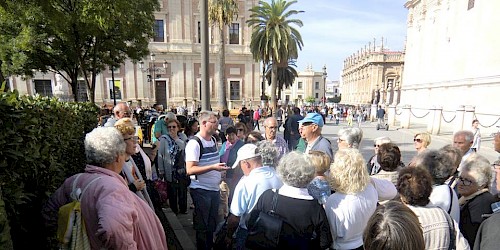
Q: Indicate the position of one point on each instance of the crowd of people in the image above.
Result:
(324, 198)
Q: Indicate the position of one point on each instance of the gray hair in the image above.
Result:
(468, 135)
(205, 115)
(439, 164)
(268, 152)
(352, 136)
(479, 168)
(296, 170)
(103, 145)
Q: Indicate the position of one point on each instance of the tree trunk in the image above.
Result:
(74, 84)
(274, 80)
(222, 102)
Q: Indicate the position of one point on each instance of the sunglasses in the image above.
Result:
(417, 140)
(375, 145)
(172, 126)
(240, 129)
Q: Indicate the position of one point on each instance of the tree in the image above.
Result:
(311, 100)
(73, 38)
(221, 13)
(285, 76)
(274, 39)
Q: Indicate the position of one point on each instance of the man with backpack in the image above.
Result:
(204, 167)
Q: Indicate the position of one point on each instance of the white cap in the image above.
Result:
(246, 151)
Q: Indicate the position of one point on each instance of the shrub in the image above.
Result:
(41, 144)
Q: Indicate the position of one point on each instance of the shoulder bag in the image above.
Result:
(265, 232)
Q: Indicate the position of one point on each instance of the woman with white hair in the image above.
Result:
(349, 138)
(473, 186)
(115, 218)
(305, 226)
(354, 201)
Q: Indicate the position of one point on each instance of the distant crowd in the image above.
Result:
(261, 190)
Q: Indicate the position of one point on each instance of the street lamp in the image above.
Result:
(324, 85)
(152, 70)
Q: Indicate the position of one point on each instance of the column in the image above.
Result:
(391, 115)
(434, 121)
(459, 120)
(405, 116)
(373, 112)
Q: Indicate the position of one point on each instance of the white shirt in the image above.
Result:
(440, 197)
(348, 215)
(250, 188)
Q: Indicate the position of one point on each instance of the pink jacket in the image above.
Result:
(115, 218)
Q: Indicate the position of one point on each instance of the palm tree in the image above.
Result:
(221, 13)
(274, 39)
(285, 76)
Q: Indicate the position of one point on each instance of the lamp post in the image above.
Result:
(153, 71)
(324, 85)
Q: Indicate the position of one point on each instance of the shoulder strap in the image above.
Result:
(196, 138)
(451, 227)
(85, 188)
(74, 195)
(275, 201)
(451, 199)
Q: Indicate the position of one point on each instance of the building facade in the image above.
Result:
(452, 55)
(309, 84)
(372, 75)
(171, 75)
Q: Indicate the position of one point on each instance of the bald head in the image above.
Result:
(121, 110)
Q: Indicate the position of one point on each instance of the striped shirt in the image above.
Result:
(211, 179)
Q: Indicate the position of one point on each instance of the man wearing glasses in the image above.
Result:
(204, 167)
(310, 130)
(271, 128)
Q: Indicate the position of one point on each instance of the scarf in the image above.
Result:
(464, 199)
(130, 170)
(147, 162)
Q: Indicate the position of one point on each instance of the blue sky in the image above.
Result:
(335, 29)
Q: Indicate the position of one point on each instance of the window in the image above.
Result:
(287, 98)
(299, 85)
(199, 32)
(471, 4)
(159, 32)
(118, 91)
(316, 95)
(234, 90)
(43, 87)
(234, 33)
(316, 85)
(82, 91)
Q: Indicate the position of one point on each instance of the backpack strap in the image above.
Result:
(74, 191)
(85, 188)
(451, 199)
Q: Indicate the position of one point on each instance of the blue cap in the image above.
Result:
(314, 118)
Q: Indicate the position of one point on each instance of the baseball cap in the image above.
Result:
(246, 151)
(314, 118)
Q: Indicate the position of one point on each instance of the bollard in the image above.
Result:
(373, 113)
(434, 122)
(391, 115)
(459, 123)
(405, 116)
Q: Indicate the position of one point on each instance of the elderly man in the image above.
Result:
(257, 179)
(463, 140)
(121, 110)
(310, 130)
(271, 127)
(204, 166)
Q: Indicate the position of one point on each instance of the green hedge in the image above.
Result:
(41, 143)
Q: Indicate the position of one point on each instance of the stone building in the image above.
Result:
(452, 55)
(372, 75)
(172, 74)
(309, 83)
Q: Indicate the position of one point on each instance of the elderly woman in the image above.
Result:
(392, 227)
(115, 218)
(389, 160)
(439, 229)
(456, 157)
(130, 172)
(349, 138)
(476, 201)
(305, 226)
(372, 165)
(269, 153)
(440, 166)
(354, 201)
(228, 152)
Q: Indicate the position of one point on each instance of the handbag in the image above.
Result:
(265, 232)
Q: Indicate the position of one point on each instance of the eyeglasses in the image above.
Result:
(417, 140)
(240, 129)
(305, 124)
(212, 121)
(375, 145)
(464, 181)
(172, 126)
(134, 138)
(271, 127)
